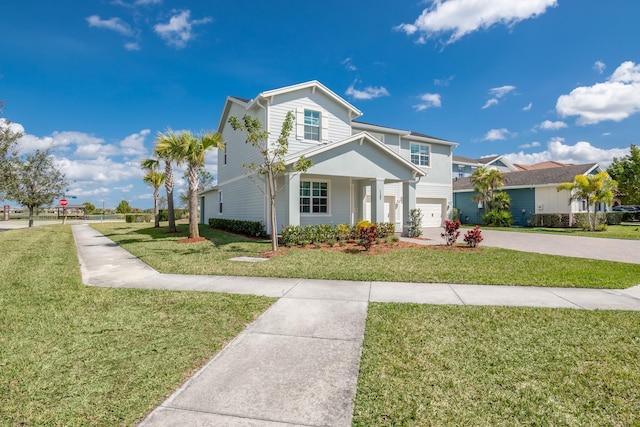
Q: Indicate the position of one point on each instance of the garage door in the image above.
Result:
(431, 211)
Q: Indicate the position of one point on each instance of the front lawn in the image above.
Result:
(495, 366)
(72, 355)
(488, 266)
(627, 231)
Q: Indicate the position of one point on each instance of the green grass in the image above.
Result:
(76, 356)
(488, 266)
(487, 366)
(627, 231)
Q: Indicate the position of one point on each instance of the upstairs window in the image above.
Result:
(419, 154)
(314, 197)
(312, 125)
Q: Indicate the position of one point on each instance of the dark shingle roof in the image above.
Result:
(245, 100)
(421, 135)
(532, 177)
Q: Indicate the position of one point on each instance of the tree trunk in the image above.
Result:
(272, 211)
(194, 232)
(168, 183)
(156, 209)
(30, 216)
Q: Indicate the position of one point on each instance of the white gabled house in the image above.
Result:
(359, 171)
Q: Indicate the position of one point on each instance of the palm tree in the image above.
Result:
(190, 148)
(487, 182)
(155, 179)
(163, 150)
(591, 188)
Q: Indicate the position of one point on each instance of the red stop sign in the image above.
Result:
(63, 202)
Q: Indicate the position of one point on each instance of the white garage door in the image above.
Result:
(431, 211)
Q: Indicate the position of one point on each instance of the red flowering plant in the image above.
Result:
(451, 232)
(473, 236)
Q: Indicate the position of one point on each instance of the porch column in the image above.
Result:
(408, 203)
(377, 200)
(292, 193)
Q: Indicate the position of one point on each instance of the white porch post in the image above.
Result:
(377, 200)
(408, 203)
(292, 191)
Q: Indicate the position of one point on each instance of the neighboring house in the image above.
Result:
(531, 191)
(464, 166)
(541, 165)
(360, 170)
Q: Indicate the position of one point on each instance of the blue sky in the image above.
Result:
(531, 79)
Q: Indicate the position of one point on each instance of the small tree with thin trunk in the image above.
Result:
(273, 164)
(34, 180)
(155, 179)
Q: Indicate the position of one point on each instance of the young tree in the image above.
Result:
(591, 188)
(155, 179)
(8, 142)
(273, 155)
(163, 151)
(34, 180)
(626, 171)
(89, 207)
(123, 207)
(185, 147)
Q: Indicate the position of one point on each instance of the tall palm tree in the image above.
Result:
(155, 179)
(487, 182)
(186, 147)
(165, 151)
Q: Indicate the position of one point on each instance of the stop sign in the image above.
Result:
(63, 202)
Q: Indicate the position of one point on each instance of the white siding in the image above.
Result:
(549, 200)
(238, 150)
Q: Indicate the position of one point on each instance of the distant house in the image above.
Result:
(463, 166)
(531, 191)
(541, 165)
(360, 170)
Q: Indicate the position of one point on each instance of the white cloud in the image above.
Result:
(370, 92)
(549, 125)
(87, 151)
(496, 93)
(113, 24)
(146, 2)
(443, 82)
(131, 46)
(580, 153)
(530, 145)
(599, 66)
(428, 100)
(133, 145)
(58, 141)
(527, 107)
(497, 134)
(99, 170)
(461, 17)
(179, 30)
(615, 99)
(348, 64)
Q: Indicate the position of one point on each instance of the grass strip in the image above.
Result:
(488, 266)
(75, 356)
(493, 366)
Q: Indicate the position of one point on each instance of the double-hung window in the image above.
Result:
(419, 154)
(312, 125)
(314, 197)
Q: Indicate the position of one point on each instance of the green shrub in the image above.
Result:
(547, 220)
(614, 218)
(498, 218)
(386, 229)
(248, 228)
(584, 221)
(415, 223)
(137, 218)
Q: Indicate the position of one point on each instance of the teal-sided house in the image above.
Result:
(359, 171)
(531, 191)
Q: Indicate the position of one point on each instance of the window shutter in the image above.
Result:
(299, 123)
(324, 124)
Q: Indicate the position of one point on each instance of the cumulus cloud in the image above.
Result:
(497, 134)
(615, 99)
(496, 94)
(580, 153)
(99, 170)
(370, 92)
(549, 125)
(179, 30)
(132, 46)
(428, 100)
(530, 145)
(113, 24)
(133, 145)
(527, 107)
(599, 66)
(461, 17)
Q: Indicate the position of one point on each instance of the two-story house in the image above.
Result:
(464, 166)
(359, 171)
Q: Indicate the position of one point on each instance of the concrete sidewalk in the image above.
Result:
(297, 364)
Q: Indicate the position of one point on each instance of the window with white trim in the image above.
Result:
(314, 197)
(312, 125)
(220, 202)
(420, 154)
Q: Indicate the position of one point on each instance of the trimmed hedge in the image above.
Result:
(548, 220)
(293, 235)
(248, 228)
